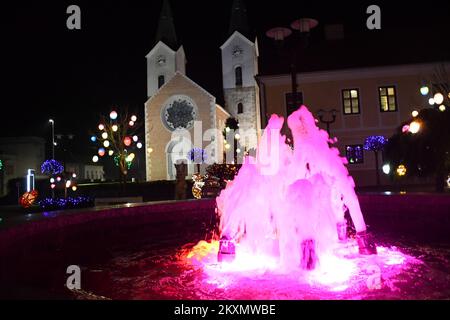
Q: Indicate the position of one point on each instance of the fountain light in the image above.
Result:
(227, 249)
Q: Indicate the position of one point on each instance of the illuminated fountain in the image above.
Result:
(285, 211)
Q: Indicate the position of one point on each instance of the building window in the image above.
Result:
(350, 100)
(354, 153)
(388, 99)
(160, 81)
(293, 102)
(238, 76)
(240, 108)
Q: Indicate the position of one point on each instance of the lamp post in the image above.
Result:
(326, 120)
(279, 34)
(52, 122)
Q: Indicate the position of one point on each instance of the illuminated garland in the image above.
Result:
(117, 159)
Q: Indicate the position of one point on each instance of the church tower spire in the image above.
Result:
(167, 56)
(239, 21)
(166, 28)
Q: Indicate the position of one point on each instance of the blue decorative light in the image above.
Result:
(375, 143)
(197, 155)
(93, 138)
(66, 203)
(52, 167)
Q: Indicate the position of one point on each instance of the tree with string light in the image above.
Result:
(118, 137)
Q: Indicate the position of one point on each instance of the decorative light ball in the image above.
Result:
(74, 175)
(238, 150)
(127, 141)
(133, 118)
(135, 138)
(93, 138)
(227, 129)
(424, 90)
(101, 152)
(130, 157)
(405, 128)
(53, 186)
(414, 127)
(95, 159)
(386, 168)
(237, 136)
(431, 101)
(139, 145)
(104, 135)
(101, 127)
(438, 98)
(150, 150)
(106, 144)
(442, 108)
(113, 115)
(52, 180)
(110, 152)
(415, 113)
(131, 123)
(74, 188)
(401, 170)
(227, 146)
(68, 183)
(115, 128)
(58, 179)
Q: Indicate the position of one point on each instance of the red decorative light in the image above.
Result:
(127, 141)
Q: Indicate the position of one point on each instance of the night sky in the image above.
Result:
(73, 76)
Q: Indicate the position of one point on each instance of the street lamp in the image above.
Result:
(52, 122)
(328, 121)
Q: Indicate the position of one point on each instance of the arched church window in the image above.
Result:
(238, 76)
(240, 108)
(160, 81)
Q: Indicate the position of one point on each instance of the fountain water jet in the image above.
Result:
(290, 203)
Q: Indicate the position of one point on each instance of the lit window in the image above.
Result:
(240, 108)
(161, 81)
(354, 153)
(388, 99)
(350, 101)
(238, 75)
(293, 103)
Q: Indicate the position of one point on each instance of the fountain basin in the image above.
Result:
(139, 252)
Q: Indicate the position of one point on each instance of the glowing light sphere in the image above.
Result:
(431, 101)
(68, 183)
(127, 141)
(237, 136)
(74, 175)
(93, 138)
(438, 98)
(227, 146)
(53, 186)
(130, 157)
(139, 145)
(227, 129)
(110, 152)
(74, 188)
(106, 143)
(135, 138)
(386, 168)
(442, 108)
(131, 123)
(104, 135)
(415, 113)
(414, 127)
(150, 150)
(115, 128)
(101, 127)
(113, 115)
(405, 128)
(52, 180)
(133, 118)
(401, 170)
(58, 179)
(238, 150)
(424, 90)
(95, 159)
(101, 152)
